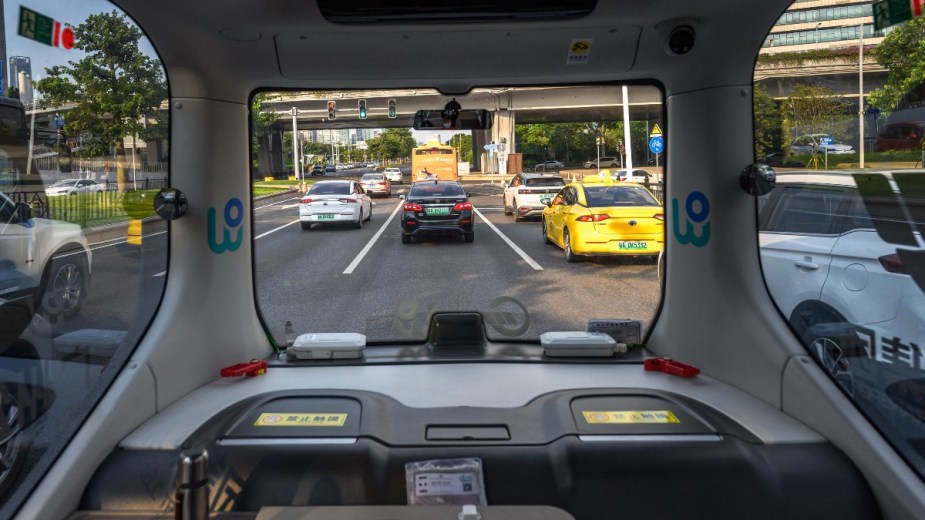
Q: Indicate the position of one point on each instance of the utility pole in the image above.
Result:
(295, 143)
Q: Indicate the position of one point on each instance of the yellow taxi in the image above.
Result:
(598, 216)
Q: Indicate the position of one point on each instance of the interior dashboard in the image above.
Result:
(318, 441)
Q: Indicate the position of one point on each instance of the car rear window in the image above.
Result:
(373, 177)
(539, 183)
(340, 188)
(437, 190)
(604, 196)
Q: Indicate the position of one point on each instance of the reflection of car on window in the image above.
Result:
(74, 187)
(907, 135)
(812, 143)
(523, 194)
(828, 252)
(48, 260)
(598, 217)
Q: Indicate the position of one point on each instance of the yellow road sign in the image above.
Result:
(656, 131)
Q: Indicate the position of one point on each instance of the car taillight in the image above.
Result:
(306, 200)
(410, 206)
(659, 216)
(892, 264)
(597, 217)
(462, 205)
(522, 191)
(347, 201)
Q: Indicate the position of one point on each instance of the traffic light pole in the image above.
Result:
(295, 143)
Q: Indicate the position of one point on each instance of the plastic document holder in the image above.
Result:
(328, 345)
(577, 344)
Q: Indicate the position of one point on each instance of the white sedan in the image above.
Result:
(73, 187)
(335, 202)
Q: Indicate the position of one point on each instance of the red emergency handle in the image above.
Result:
(254, 367)
(670, 366)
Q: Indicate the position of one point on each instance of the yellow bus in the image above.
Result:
(434, 161)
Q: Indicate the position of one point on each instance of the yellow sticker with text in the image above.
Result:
(301, 419)
(632, 417)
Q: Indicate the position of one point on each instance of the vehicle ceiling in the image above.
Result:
(249, 44)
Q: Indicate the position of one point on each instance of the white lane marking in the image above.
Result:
(116, 241)
(277, 202)
(162, 273)
(519, 251)
(369, 245)
(277, 229)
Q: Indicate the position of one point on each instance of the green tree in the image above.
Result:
(902, 53)
(463, 145)
(812, 109)
(767, 122)
(391, 144)
(115, 86)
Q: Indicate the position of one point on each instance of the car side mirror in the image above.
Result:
(757, 179)
(546, 202)
(170, 204)
(401, 196)
(23, 212)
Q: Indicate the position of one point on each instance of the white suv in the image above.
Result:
(524, 194)
(393, 175)
(841, 263)
(46, 260)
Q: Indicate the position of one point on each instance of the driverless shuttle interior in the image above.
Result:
(425, 260)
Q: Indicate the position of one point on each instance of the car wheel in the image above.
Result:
(359, 223)
(12, 451)
(370, 216)
(508, 210)
(470, 236)
(567, 245)
(65, 286)
(405, 239)
(306, 226)
(546, 233)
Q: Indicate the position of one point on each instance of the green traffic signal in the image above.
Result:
(362, 108)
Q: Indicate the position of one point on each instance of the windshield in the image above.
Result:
(600, 196)
(484, 255)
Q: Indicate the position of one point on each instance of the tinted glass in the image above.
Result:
(333, 188)
(539, 183)
(80, 275)
(849, 276)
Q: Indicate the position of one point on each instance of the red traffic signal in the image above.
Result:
(332, 105)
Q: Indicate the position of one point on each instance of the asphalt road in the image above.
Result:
(340, 279)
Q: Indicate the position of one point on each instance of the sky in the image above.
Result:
(72, 12)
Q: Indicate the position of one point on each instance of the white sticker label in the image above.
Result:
(579, 51)
(433, 484)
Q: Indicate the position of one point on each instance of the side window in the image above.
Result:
(848, 281)
(804, 211)
(79, 288)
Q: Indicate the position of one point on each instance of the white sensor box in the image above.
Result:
(577, 344)
(328, 345)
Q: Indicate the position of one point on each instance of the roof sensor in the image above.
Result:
(681, 39)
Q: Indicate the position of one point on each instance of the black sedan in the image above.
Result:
(436, 207)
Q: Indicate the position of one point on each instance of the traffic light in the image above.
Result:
(392, 111)
(362, 108)
(332, 105)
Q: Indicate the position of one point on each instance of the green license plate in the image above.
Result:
(325, 217)
(632, 245)
(437, 211)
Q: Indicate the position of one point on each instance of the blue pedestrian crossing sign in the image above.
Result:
(657, 144)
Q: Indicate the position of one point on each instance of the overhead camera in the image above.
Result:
(681, 39)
